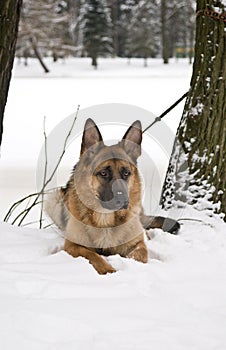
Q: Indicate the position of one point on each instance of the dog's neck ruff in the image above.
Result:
(108, 220)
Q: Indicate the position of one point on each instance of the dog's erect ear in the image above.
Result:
(132, 140)
(91, 135)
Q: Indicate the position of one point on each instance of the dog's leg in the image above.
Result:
(166, 224)
(139, 252)
(100, 265)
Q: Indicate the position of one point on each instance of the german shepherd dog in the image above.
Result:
(99, 210)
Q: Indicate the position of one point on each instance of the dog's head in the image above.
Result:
(113, 168)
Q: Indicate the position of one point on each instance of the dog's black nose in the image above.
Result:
(121, 200)
(120, 194)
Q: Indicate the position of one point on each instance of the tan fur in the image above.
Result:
(117, 232)
(90, 229)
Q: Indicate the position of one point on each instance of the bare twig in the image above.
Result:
(49, 225)
(16, 204)
(22, 215)
(30, 223)
(45, 173)
(64, 148)
(196, 220)
(25, 212)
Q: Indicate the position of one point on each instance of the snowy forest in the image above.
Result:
(107, 28)
(151, 75)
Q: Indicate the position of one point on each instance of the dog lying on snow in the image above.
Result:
(99, 210)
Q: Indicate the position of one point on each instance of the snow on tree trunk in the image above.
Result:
(9, 19)
(197, 169)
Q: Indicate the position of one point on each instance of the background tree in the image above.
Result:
(48, 27)
(97, 36)
(74, 28)
(144, 29)
(122, 12)
(164, 33)
(177, 28)
(124, 28)
(197, 170)
(115, 12)
(9, 19)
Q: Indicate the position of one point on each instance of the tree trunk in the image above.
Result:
(115, 29)
(37, 54)
(197, 169)
(165, 44)
(191, 42)
(94, 62)
(9, 20)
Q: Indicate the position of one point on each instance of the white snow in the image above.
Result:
(51, 301)
(197, 110)
(177, 301)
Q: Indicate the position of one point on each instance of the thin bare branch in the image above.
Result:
(30, 223)
(22, 215)
(16, 204)
(45, 173)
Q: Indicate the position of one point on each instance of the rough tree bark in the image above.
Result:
(9, 20)
(197, 169)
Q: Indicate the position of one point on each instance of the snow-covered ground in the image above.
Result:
(50, 301)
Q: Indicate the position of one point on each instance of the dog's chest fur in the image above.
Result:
(103, 220)
(106, 235)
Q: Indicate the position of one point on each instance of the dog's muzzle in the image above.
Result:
(120, 199)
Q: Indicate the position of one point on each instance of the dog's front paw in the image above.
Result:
(103, 268)
(139, 253)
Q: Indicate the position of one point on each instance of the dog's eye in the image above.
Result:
(103, 173)
(125, 173)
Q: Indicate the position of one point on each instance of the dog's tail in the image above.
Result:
(56, 209)
(166, 224)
